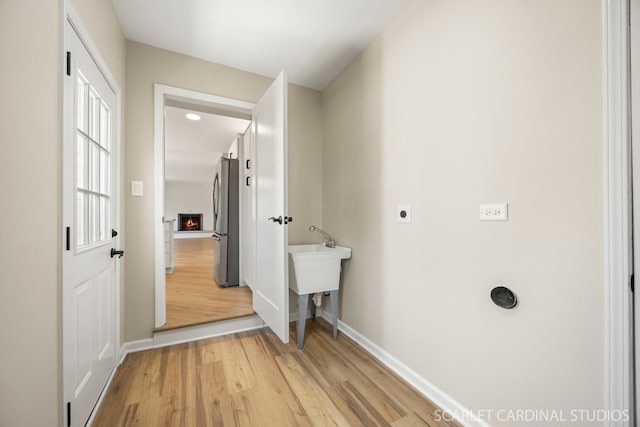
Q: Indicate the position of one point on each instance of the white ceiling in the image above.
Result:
(313, 40)
(192, 148)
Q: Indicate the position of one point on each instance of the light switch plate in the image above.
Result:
(137, 188)
(404, 214)
(494, 212)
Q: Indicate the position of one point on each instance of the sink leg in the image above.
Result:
(334, 313)
(313, 308)
(303, 300)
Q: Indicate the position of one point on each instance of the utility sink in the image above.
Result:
(315, 268)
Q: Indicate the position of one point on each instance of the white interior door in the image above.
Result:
(271, 286)
(89, 202)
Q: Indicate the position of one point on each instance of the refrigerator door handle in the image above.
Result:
(215, 196)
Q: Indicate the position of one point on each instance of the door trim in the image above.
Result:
(69, 14)
(617, 209)
(183, 98)
(634, 40)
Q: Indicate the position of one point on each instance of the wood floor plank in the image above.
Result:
(211, 381)
(272, 385)
(192, 295)
(178, 385)
(221, 412)
(237, 369)
(209, 350)
(119, 390)
(376, 401)
(411, 420)
(384, 379)
(351, 408)
(145, 386)
(252, 379)
(316, 402)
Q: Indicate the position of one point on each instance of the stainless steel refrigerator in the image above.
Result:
(226, 219)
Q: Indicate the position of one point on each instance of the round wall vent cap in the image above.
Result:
(504, 297)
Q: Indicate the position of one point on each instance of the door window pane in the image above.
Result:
(81, 219)
(81, 161)
(104, 172)
(105, 121)
(94, 114)
(93, 216)
(93, 163)
(104, 218)
(81, 104)
(94, 167)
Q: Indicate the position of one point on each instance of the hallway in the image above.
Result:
(193, 297)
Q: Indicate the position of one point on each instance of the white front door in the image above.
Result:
(271, 286)
(88, 213)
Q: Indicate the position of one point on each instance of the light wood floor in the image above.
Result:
(252, 379)
(193, 297)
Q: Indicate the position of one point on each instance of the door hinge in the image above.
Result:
(68, 237)
(68, 414)
(68, 63)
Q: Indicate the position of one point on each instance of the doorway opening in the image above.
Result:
(198, 135)
(264, 189)
(203, 252)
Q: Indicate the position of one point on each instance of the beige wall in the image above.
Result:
(29, 166)
(29, 136)
(305, 163)
(188, 197)
(459, 103)
(147, 65)
(100, 19)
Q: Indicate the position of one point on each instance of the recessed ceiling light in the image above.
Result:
(192, 116)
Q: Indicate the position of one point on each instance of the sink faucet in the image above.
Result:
(331, 242)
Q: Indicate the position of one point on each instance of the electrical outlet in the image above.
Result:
(404, 214)
(494, 212)
(137, 188)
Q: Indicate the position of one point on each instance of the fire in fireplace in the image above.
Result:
(189, 222)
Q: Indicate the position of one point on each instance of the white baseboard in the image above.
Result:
(192, 234)
(133, 346)
(433, 393)
(208, 330)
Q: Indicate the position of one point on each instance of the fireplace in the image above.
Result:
(189, 222)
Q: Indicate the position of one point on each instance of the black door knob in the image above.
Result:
(118, 253)
(274, 219)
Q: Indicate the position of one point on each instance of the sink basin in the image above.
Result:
(315, 268)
